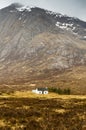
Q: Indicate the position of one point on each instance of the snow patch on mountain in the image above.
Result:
(28, 8)
(11, 11)
(66, 26)
(74, 28)
(50, 12)
(84, 37)
(54, 13)
(20, 18)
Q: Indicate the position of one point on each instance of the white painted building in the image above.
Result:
(40, 91)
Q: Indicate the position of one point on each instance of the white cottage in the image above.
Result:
(40, 91)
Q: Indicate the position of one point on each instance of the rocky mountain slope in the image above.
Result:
(34, 41)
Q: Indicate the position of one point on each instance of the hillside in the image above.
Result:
(38, 45)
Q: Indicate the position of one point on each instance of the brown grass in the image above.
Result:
(28, 111)
(29, 94)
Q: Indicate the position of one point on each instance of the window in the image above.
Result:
(40, 92)
(45, 92)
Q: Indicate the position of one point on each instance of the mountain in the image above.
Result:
(37, 44)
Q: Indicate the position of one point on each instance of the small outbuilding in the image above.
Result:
(40, 91)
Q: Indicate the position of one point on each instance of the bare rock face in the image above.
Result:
(33, 40)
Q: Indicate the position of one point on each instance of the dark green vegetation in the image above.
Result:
(60, 91)
(42, 114)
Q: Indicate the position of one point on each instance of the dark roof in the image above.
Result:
(42, 89)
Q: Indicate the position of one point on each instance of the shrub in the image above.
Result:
(67, 91)
(60, 91)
